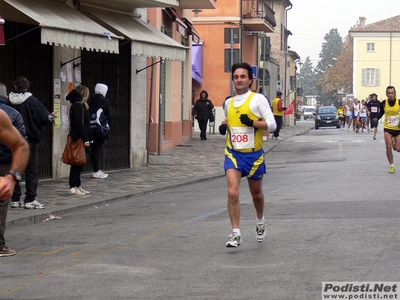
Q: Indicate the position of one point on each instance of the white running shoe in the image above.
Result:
(260, 232)
(99, 175)
(76, 191)
(234, 240)
(34, 205)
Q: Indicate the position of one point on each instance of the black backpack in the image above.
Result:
(98, 122)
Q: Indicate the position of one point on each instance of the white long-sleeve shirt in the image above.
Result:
(259, 106)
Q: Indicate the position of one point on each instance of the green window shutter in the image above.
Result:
(363, 77)
(377, 76)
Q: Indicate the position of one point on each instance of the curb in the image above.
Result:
(39, 217)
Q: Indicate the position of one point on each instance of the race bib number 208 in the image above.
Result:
(242, 137)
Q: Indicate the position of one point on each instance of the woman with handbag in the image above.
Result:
(79, 129)
(202, 111)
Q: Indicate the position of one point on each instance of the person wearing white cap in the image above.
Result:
(99, 105)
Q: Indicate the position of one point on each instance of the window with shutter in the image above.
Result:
(377, 77)
(370, 47)
(363, 77)
(370, 77)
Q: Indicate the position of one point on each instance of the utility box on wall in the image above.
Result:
(279, 85)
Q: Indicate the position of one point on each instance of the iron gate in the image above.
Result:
(114, 70)
(24, 55)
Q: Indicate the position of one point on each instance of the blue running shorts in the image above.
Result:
(250, 164)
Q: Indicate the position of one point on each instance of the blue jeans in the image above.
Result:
(4, 169)
(31, 178)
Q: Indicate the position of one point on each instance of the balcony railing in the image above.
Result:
(258, 9)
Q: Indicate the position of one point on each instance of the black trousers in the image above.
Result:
(31, 178)
(203, 128)
(96, 152)
(75, 176)
(278, 121)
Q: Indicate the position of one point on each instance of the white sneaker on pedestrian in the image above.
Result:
(278, 138)
(99, 175)
(260, 232)
(34, 205)
(83, 191)
(76, 191)
(17, 204)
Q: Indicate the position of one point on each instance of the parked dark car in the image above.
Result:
(326, 116)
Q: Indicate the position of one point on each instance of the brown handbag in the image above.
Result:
(74, 152)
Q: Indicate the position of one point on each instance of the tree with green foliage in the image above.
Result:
(340, 75)
(306, 78)
(331, 48)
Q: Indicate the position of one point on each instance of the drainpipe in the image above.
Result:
(150, 113)
(231, 55)
(240, 30)
(286, 54)
(390, 60)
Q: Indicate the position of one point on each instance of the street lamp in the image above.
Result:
(196, 12)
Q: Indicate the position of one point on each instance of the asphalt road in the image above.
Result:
(332, 214)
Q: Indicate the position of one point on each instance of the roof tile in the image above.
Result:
(387, 25)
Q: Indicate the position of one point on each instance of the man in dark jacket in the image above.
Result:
(99, 101)
(16, 120)
(35, 115)
(16, 156)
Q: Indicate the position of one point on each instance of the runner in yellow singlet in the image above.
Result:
(391, 109)
(246, 115)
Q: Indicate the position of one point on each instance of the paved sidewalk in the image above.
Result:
(185, 164)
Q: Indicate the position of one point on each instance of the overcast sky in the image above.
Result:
(310, 20)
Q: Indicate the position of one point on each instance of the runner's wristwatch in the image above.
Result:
(17, 176)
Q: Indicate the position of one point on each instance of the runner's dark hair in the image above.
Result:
(243, 65)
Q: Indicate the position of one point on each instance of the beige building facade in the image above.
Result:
(376, 61)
